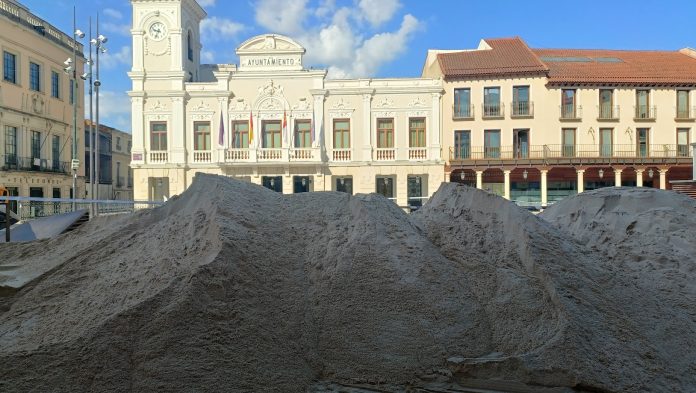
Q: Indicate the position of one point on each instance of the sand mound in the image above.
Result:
(232, 287)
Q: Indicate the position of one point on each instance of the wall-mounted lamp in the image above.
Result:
(601, 173)
(651, 173)
(525, 174)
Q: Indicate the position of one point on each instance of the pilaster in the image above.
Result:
(178, 131)
(367, 127)
(581, 180)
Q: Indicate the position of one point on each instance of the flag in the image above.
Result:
(221, 136)
(251, 126)
(285, 128)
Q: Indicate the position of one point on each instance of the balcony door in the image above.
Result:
(462, 102)
(605, 142)
(642, 142)
(520, 143)
(606, 104)
(272, 135)
(520, 101)
(568, 142)
(462, 144)
(491, 143)
(642, 104)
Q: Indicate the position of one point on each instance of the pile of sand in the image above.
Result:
(235, 287)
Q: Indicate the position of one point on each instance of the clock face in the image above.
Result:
(157, 31)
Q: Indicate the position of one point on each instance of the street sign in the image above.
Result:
(75, 164)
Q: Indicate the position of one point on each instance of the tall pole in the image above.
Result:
(91, 122)
(74, 163)
(96, 88)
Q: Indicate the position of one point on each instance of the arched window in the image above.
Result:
(189, 46)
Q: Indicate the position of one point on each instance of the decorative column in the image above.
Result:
(435, 150)
(581, 180)
(506, 191)
(367, 129)
(639, 177)
(663, 179)
(617, 177)
(544, 189)
(479, 180)
(178, 131)
(138, 133)
(447, 177)
(319, 122)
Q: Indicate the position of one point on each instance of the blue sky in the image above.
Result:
(385, 38)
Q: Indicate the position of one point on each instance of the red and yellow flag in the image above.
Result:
(251, 126)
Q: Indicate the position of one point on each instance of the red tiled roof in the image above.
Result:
(618, 67)
(508, 56)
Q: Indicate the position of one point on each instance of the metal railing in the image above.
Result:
(571, 112)
(462, 112)
(522, 109)
(608, 112)
(686, 113)
(29, 208)
(493, 110)
(645, 112)
(12, 162)
(594, 151)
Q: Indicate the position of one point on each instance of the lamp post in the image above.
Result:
(99, 48)
(71, 70)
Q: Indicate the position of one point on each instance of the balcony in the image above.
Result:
(385, 154)
(462, 112)
(522, 109)
(159, 157)
(493, 111)
(341, 155)
(572, 154)
(303, 154)
(645, 113)
(417, 153)
(15, 163)
(308, 154)
(201, 157)
(608, 113)
(571, 112)
(270, 154)
(685, 114)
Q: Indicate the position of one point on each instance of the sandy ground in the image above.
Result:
(232, 287)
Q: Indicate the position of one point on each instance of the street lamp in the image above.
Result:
(98, 44)
(71, 70)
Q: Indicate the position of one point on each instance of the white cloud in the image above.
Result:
(325, 8)
(378, 11)
(121, 29)
(110, 12)
(206, 3)
(207, 57)
(216, 29)
(282, 16)
(114, 109)
(110, 60)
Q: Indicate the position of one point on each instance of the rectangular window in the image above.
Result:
(301, 184)
(118, 143)
(341, 134)
(240, 134)
(385, 186)
(55, 152)
(606, 144)
(520, 101)
(568, 104)
(274, 183)
(35, 145)
(642, 142)
(491, 143)
(55, 84)
(201, 135)
(606, 104)
(14, 191)
(9, 63)
(682, 142)
(414, 186)
(683, 111)
(271, 134)
(10, 145)
(491, 102)
(642, 104)
(385, 133)
(158, 136)
(520, 143)
(416, 132)
(462, 144)
(568, 142)
(462, 103)
(34, 76)
(303, 134)
(344, 184)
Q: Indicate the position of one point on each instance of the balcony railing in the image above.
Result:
(202, 156)
(159, 157)
(341, 154)
(571, 112)
(522, 109)
(462, 112)
(686, 114)
(234, 155)
(608, 112)
(12, 162)
(385, 154)
(645, 112)
(302, 154)
(559, 152)
(417, 153)
(270, 154)
(491, 111)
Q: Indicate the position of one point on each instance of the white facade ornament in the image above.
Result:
(202, 106)
(417, 102)
(383, 114)
(270, 89)
(341, 114)
(303, 105)
(385, 102)
(417, 113)
(340, 104)
(271, 104)
(157, 106)
(240, 105)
